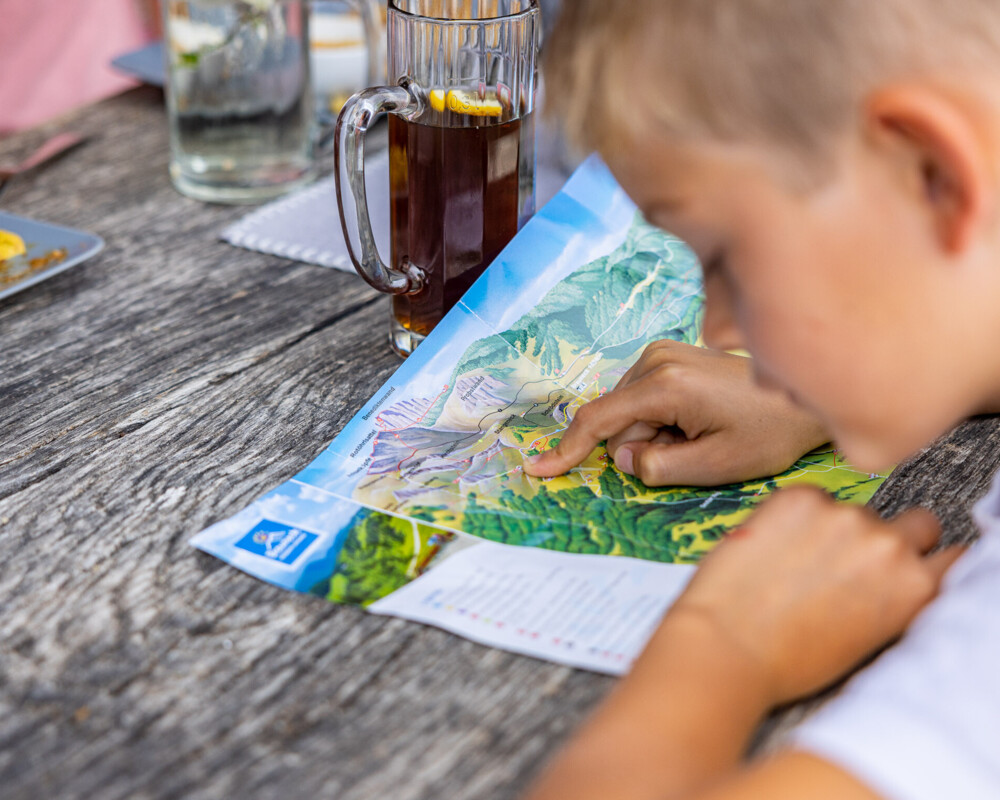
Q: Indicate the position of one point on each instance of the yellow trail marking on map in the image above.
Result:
(645, 283)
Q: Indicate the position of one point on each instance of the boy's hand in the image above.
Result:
(789, 603)
(808, 588)
(685, 415)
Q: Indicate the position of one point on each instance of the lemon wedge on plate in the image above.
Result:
(11, 245)
(461, 101)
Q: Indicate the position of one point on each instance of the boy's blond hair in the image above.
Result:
(790, 73)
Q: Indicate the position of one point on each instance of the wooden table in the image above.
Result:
(161, 387)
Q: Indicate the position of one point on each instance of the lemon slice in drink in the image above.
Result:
(460, 101)
(11, 245)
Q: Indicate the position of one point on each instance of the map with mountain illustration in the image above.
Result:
(434, 460)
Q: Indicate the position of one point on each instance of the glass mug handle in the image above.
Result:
(355, 119)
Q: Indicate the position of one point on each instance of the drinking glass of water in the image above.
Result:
(242, 116)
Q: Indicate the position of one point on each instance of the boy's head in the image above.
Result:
(836, 166)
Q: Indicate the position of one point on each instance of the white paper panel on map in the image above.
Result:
(584, 611)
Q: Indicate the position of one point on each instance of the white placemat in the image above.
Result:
(306, 226)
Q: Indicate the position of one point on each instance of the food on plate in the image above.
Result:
(11, 245)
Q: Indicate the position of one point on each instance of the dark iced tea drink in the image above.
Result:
(460, 190)
(461, 150)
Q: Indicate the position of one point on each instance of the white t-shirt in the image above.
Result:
(923, 721)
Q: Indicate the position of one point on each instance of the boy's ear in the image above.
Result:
(947, 149)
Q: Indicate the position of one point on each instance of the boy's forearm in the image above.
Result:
(679, 721)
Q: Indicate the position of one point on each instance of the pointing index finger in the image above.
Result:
(596, 421)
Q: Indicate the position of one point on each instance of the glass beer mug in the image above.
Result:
(461, 152)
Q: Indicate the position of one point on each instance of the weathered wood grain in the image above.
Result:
(162, 386)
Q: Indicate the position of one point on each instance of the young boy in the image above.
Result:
(836, 165)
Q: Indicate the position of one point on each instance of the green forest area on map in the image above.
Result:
(450, 461)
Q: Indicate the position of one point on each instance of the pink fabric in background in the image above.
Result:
(54, 55)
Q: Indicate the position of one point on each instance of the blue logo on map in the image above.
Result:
(277, 541)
